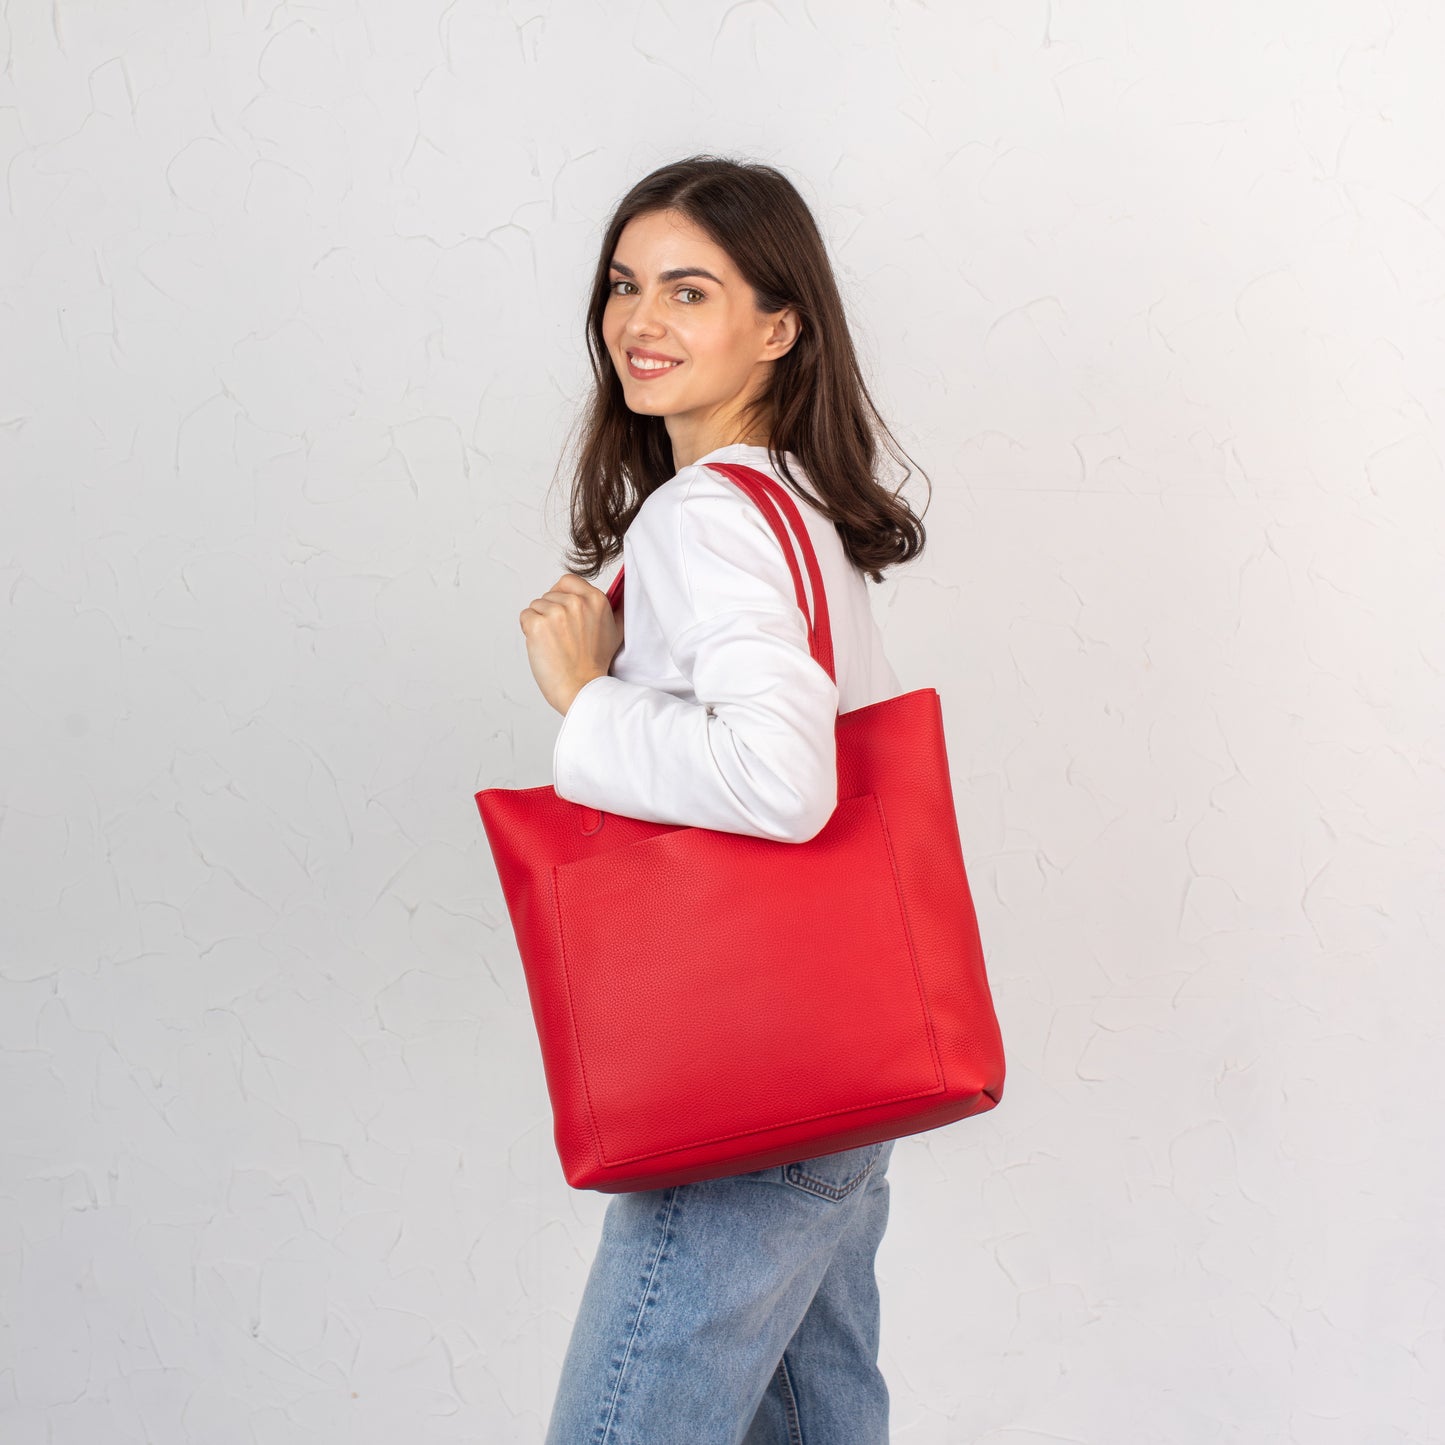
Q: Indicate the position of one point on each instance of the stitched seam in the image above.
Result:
(773, 1128)
(572, 1014)
(642, 1304)
(912, 951)
(790, 1403)
(833, 1191)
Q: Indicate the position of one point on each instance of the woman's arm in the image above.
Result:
(756, 754)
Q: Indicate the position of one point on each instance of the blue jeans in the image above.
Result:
(734, 1311)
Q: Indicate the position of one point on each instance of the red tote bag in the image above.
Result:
(710, 1003)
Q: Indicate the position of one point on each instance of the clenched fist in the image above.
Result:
(572, 634)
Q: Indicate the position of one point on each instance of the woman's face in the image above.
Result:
(676, 298)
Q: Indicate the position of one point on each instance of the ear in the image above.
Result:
(781, 334)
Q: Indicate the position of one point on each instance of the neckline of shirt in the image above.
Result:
(732, 447)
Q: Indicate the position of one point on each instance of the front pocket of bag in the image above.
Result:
(723, 985)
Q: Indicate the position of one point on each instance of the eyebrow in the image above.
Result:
(676, 274)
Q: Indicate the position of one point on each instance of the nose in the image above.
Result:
(642, 317)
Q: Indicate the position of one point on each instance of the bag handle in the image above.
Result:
(766, 493)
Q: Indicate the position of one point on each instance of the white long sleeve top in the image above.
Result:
(714, 713)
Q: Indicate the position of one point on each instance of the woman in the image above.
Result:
(741, 1310)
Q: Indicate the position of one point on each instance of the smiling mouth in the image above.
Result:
(642, 368)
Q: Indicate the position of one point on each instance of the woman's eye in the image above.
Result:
(701, 295)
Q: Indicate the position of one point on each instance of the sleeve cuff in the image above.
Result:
(568, 763)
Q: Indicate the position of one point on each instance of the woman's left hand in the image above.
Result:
(572, 634)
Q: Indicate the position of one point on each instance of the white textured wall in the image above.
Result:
(291, 340)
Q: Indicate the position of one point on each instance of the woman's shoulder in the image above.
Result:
(674, 492)
(699, 489)
(698, 509)
(701, 542)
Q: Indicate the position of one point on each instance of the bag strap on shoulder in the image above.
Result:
(768, 494)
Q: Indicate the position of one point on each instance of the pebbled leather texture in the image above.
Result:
(712, 1003)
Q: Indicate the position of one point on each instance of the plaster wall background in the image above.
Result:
(291, 316)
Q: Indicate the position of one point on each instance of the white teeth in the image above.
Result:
(643, 364)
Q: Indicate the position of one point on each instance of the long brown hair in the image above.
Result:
(817, 403)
